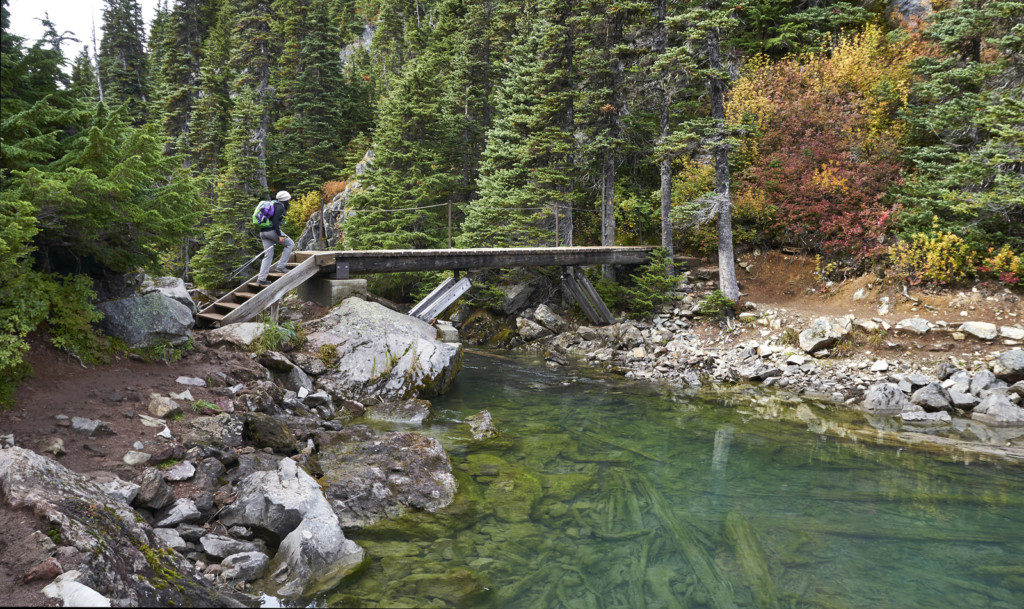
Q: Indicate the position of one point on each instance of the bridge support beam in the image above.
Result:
(441, 297)
(328, 292)
(579, 287)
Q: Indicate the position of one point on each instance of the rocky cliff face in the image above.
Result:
(334, 215)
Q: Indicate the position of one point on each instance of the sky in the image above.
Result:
(75, 16)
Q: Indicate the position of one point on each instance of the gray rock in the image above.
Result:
(516, 297)
(885, 399)
(90, 427)
(147, 320)
(162, 406)
(182, 510)
(193, 381)
(369, 475)
(932, 397)
(169, 538)
(171, 287)
(244, 566)
(310, 364)
(822, 334)
(446, 332)
(104, 530)
(314, 553)
(318, 399)
(961, 400)
(135, 457)
(297, 379)
(481, 426)
(982, 380)
(222, 431)
(946, 370)
(908, 9)
(153, 492)
(220, 546)
(980, 330)
(630, 336)
(917, 380)
(1009, 366)
(115, 486)
(382, 354)
(179, 471)
(407, 412)
(1011, 332)
(961, 381)
(530, 330)
(241, 335)
(275, 362)
(549, 319)
(335, 214)
(914, 325)
(926, 418)
(997, 410)
(190, 532)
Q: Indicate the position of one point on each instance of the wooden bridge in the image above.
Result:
(250, 299)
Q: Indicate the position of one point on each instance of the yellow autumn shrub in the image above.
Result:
(937, 258)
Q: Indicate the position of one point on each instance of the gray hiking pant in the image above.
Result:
(269, 239)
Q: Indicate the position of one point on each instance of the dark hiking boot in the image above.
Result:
(263, 283)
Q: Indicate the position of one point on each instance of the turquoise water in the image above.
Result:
(609, 493)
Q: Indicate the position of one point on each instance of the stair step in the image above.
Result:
(275, 275)
(227, 305)
(255, 284)
(245, 295)
(211, 316)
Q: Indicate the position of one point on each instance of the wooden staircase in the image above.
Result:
(250, 299)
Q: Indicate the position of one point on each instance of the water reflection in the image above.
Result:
(604, 493)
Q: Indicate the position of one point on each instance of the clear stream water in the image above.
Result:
(609, 493)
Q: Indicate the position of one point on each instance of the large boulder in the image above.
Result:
(1009, 366)
(126, 559)
(382, 354)
(369, 475)
(314, 554)
(240, 335)
(885, 399)
(147, 320)
(932, 397)
(997, 410)
(172, 287)
(822, 334)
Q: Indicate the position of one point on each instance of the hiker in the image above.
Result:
(271, 234)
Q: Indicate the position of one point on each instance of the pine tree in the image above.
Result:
(524, 183)
(122, 58)
(967, 119)
(184, 37)
(83, 77)
(243, 181)
(210, 119)
(314, 104)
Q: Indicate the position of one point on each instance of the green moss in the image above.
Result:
(54, 534)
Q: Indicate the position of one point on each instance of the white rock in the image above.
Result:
(74, 594)
(179, 471)
(162, 406)
(134, 457)
(880, 366)
(184, 395)
(303, 392)
(915, 325)
(1011, 332)
(165, 433)
(190, 380)
(980, 329)
(237, 335)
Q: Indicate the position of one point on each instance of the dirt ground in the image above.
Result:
(788, 283)
(113, 393)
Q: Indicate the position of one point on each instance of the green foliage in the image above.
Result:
(278, 336)
(328, 354)
(646, 289)
(717, 304)
(204, 405)
(122, 59)
(935, 257)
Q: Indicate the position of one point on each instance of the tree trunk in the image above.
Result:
(608, 208)
(720, 152)
(665, 165)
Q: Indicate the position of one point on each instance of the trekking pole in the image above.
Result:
(251, 260)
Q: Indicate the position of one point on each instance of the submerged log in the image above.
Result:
(750, 556)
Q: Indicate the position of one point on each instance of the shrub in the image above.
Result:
(278, 336)
(937, 258)
(1004, 265)
(302, 208)
(716, 304)
(646, 289)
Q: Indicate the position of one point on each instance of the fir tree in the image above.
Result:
(524, 183)
(243, 181)
(210, 118)
(122, 58)
(83, 77)
(314, 103)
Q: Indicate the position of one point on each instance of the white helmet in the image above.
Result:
(283, 196)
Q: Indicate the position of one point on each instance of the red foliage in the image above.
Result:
(818, 167)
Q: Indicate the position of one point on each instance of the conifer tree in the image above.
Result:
(210, 118)
(83, 77)
(314, 104)
(525, 170)
(243, 181)
(122, 58)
